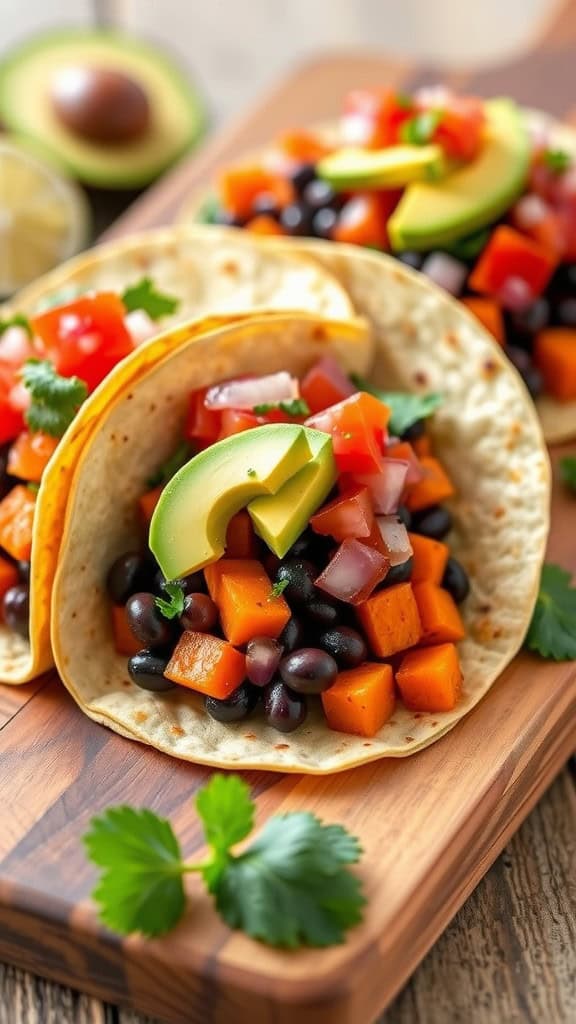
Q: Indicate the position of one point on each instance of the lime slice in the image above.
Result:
(43, 217)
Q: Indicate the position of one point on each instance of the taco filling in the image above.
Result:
(478, 195)
(48, 366)
(299, 556)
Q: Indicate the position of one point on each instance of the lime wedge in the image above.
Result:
(43, 217)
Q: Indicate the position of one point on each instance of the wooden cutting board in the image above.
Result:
(430, 825)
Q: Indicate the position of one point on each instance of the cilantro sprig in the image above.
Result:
(568, 471)
(557, 160)
(405, 409)
(174, 606)
(290, 887)
(295, 407)
(144, 295)
(552, 632)
(55, 399)
(168, 469)
(278, 588)
(418, 130)
(18, 320)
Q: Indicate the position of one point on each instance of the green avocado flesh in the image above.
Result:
(188, 528)
(26, 80)
(435, 214)
(281, 518)
(381, 168)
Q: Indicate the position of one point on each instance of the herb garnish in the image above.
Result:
(295, 407)
(175, 605)
(55, 399)
(278, 588)
(143, 295)
(420, 128)
(568, 471)
(405, 409)
(251, 472)
(552, 632)
(169, 468)
(290, 887)
(557, 160)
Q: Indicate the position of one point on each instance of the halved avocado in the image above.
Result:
(177, 116)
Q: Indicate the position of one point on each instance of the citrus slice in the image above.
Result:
(43, 217)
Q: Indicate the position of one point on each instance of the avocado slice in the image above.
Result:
(188, 528)
(177, 116)
(381, 168)
(280, 518)
(435, 214)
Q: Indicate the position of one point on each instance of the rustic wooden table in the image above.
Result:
(509, 954)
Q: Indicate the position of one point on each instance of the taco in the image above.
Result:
(478, 195)
(59, 339)
(415, 563)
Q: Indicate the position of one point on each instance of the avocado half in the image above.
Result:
(178, 115)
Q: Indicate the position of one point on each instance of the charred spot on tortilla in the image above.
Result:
(452, 339)
(490, 368)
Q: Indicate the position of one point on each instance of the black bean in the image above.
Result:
(533, 381)
(308, 670)
(302, 176)
(411, 259)
(518, 357)
(565, 312)
(323, 222)
(347, 646)
(200, 613)
(398, 573)
(434, 522)
(192, 584)
(23, 571)
(415, 431)
(147, 622)
(317, 194)
(265, 204)
(455, 580)
(299, 574)
(237, 706)
(325, 613)
(309, 545)
(292, 636)
(227, 219)
(16, 609)
(296, 219)
(405, 516)
(531, 320)
(564, 280)
(128, 575)
(147, 669)
(284, 710)
(262, 659)
(5, 479)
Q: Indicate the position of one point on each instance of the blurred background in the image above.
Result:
(236, 48)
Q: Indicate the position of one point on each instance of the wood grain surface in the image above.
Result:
(449, 811)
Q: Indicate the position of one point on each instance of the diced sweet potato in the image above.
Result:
(242, 590)
(390, 620)
(361, 700)
(207, 664)
(429, 558)
(30, 454)
(555, 357)
(434, 487)
(17, 522)
(430, 679)
(440, 618)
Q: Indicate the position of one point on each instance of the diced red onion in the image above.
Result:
(16, 346)
(386, 487)
(334, 372)
(436, 96)
(353, 572)
(245, 394)
(395, 537)
(515, 294)
(262, 659)
(355, 129)
(140, 326)
(447, 272)
(529, 211)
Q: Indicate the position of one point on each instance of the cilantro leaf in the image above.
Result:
(55, 399)
(143, 295)
(552, 632)
(405, 408)
(226, 810)
(278, 588)
(209, 211)
(292, 885)
(295, 407)
(140, 889)
(18, 320)
(418, 130)
(558, 160)
(164, 474)
(174, 607)
(568, 471)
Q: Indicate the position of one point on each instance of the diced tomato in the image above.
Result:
(202, 424)
(358, 427)
(16, 522)
(85, 338)
(301, 146)
(234, 421)
(364, 217)
(373, 117)
(239, 185)
(566, 212)
(147, 503)
(349, 515)
(510, 254)
(11, 418)
(30, 454)
(325, 384)
(460, 131)
(9, 576)
(538, 220)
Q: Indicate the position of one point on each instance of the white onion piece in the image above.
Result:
(435, 96)
(447, 272)
(529, 211)
(140, 326)
(245, 394)
(395, 537)
(16, 346)
(386, 487)
(515, 294)
(353, 572)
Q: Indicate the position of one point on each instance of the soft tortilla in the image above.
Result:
(558, 418)
(210, 273)
(487, 434)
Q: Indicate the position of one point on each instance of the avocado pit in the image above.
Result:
(100, 105)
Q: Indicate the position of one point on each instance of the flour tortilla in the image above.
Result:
(558, 418)
(209, 273)
(486, 432)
